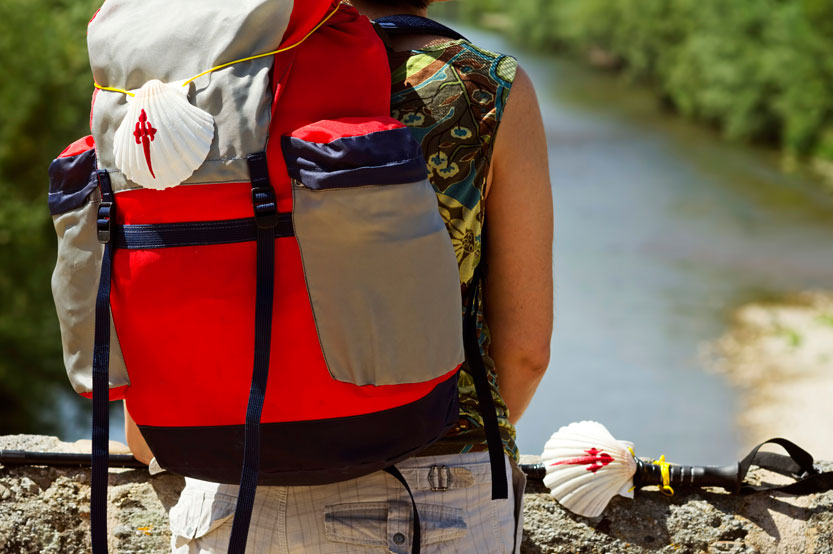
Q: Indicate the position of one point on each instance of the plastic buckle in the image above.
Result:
(106, 211)
(439, 478)
(265, 206)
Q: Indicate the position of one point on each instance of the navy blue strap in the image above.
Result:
(485, 404)
(266, 216)
(101, 378)
(194, 233)
(416, 538)
(406, 24)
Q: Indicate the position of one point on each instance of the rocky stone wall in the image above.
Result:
(45, 510)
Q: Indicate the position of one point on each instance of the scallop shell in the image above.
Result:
(163, 139)
(586, 467)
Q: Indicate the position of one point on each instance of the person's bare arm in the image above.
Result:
(519, 224)
(135, 440)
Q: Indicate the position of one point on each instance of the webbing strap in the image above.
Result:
(416, 537)
(265, 208)
(798, 464)
(101, 372)
(500, 486)
(193, 233)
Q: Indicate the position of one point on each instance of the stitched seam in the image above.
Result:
(387, 164)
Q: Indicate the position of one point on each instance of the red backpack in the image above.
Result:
(253, 259)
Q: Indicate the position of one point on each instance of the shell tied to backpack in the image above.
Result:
(318, 257)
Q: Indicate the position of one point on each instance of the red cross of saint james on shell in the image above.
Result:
(145, 133)
(595, 460)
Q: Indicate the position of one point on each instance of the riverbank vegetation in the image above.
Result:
(759, 70)
(45, 99)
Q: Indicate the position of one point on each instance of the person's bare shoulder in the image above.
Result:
(519, 228)
(521, 135)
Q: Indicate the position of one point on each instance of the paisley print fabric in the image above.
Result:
(452, 95)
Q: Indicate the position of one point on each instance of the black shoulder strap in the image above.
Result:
(798, 465)
(485, 404)
(266, 218)
(101, 372)
(416, 538)
(406, 24)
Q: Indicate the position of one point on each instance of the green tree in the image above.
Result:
(45, 99)
(757, 69)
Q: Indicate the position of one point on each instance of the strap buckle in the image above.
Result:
(106, 212)
(265, 207)
(439, 478)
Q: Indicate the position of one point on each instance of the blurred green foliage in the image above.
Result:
(757, 69)
(45, 99)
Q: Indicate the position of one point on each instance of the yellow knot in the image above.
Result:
(665, 469)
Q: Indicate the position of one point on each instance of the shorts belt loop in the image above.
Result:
(439, 478)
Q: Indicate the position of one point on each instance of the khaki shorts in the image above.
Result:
(364, 515)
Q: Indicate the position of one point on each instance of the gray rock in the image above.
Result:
(28, 486)
(46, 510)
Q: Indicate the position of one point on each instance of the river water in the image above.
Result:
(661, 230)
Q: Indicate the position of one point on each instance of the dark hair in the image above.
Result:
(419, 4)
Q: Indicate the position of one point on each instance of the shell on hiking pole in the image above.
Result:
(163, 139)
(586, 467)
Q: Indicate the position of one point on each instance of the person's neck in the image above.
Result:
(373, 11)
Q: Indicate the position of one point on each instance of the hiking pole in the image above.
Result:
(585, 467)
(61, 459)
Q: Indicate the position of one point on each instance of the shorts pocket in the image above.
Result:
(518, 486)
(388, 524)
(196, 514)
(380, 269)
(363, 523)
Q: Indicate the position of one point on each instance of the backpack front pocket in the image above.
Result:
(380, 269)
(74, 199)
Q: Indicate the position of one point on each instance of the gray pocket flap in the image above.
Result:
(388, 524)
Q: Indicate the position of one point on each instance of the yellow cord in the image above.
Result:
(188, 82)
(323, 21)
(665, 468)
(121, 90)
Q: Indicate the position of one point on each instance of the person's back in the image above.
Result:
(476, 117)
(452, 95)
(481, 142)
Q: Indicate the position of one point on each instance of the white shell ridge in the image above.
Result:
(163, 139)
(586, 467)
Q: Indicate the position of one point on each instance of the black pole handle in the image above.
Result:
(534, 471)
(798, 464)
(688, 477)
(23, 457)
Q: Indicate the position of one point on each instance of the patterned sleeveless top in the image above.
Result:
(452, 95)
